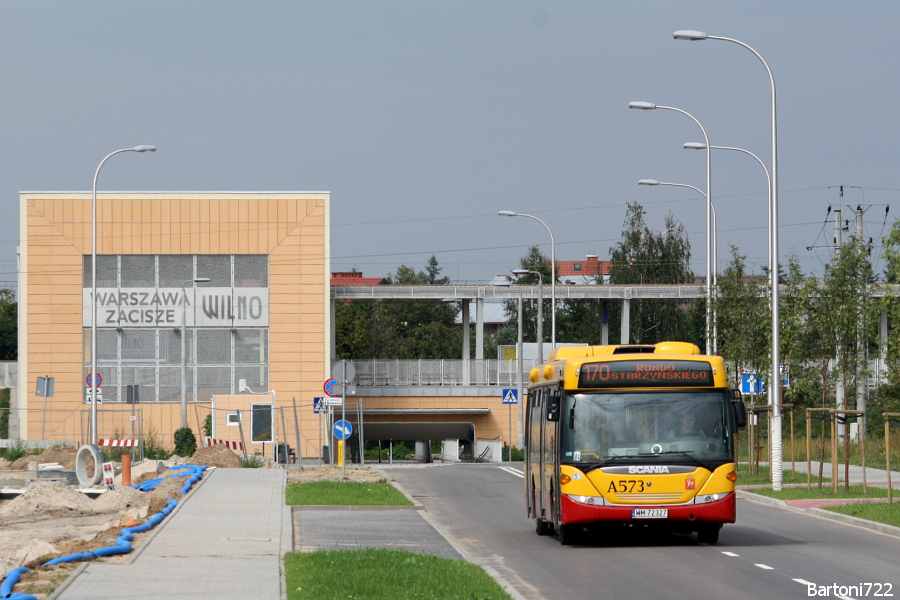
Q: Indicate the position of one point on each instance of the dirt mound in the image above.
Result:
(169, 488)
(64, 455)
(215, 456)
(44, 500)
(4, 464)
(331, 473)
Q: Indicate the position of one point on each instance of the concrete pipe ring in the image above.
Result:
(89, 450)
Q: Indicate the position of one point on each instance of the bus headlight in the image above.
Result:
(707, 498)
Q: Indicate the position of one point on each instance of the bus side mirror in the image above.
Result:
(553, 408)
(740, 413)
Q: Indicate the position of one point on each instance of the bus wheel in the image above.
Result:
(570, 534)
(708, 534)
(541, 527)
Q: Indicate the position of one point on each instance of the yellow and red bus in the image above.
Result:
(634, 435)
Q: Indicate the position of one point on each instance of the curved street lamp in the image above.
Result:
(715, 246)
(774, 390)
(509, 213)
(651, 106)
(93, 373)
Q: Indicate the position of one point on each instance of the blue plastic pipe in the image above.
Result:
(123, 542)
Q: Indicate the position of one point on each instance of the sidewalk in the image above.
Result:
(816, 506)
(226, 539)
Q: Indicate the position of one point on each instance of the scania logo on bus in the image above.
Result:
(649, 469)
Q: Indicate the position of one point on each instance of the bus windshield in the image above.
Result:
(646, 427)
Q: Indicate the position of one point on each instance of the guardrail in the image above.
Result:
(448, 372)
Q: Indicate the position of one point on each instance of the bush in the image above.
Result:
(517, 454)
(253, 461)
(153, 449)
(207, 426)
(14, 453)
(185, 442)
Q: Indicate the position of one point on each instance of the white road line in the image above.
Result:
(515, 472)
(730, 554)
(804, 582)
(762, 566)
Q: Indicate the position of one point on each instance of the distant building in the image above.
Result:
(355, 278)
(582, 272)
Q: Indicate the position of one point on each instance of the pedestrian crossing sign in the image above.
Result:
(510, 396)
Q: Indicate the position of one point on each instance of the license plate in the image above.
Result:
(650, 513)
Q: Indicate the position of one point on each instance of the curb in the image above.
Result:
(822, 514)
(505, 585)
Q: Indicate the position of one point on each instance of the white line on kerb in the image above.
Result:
(730, 554)
(515, 472)
(762, 566)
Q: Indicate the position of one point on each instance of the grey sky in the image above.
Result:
(425, 118)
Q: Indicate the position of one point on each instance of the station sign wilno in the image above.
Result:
(167, 307)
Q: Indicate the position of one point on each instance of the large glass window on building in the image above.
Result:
(146, 303)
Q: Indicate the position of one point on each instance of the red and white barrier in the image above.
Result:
(226, 443)
(119, 443)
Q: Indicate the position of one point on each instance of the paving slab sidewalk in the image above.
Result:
(226, 540)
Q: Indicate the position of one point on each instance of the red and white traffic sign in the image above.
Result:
(87, 380)
(329, 387)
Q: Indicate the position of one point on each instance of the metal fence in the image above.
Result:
(71, 426)
(481, 372)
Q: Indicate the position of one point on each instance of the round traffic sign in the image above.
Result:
(342, 429)
(329, 388)
(99, 379)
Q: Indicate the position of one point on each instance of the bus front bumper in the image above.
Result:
(586, 510)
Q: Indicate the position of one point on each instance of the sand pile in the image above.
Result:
(4, 464)
(64, 455)
(331, 473)
(44, 500)
(215, 456)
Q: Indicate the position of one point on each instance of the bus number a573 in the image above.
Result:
(624, 486)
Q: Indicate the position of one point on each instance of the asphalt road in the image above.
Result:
(769, 553)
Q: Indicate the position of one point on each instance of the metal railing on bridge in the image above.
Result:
(481, 372)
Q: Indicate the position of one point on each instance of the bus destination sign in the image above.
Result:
(645, 373)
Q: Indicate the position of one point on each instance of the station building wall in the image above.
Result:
(287, 234)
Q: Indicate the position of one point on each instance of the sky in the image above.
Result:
(424, 119)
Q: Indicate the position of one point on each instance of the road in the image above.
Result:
(769, 553)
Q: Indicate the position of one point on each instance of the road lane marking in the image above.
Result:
(515, 472)
(730, 554)
(762, 566)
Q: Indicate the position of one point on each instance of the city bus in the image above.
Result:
(634, 435)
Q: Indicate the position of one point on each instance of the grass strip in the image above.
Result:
(382, 574)
(888, 514)
(801, 493)
(344, 493)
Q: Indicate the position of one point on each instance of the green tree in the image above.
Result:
(9, 325)
(743, 310)
(403, 329)
(646, 257)
(533, 260)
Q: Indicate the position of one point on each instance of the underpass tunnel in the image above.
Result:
(425, 432)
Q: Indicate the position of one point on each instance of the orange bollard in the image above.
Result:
(126, 470)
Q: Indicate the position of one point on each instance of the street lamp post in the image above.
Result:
(651, 106)
(184, 418)
(509, 213)
(540, 310)
(775, 388)
(701, 146)
(93, 373)
(715, 272)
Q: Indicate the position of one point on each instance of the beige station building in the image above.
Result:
(240, 280)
